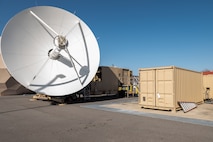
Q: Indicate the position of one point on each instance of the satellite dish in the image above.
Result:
(50, 51)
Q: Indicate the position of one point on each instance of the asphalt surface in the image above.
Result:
(23, 120)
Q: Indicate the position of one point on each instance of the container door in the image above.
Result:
(164, 88)
(147, 87)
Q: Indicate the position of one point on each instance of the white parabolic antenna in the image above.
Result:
(50, 51)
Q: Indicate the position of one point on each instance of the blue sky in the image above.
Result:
(137, 34)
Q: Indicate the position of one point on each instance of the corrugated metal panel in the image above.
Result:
(188, 86)
(169, 86)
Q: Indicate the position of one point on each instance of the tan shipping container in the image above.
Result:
(208, 85)
(111, 79)
(164, 87)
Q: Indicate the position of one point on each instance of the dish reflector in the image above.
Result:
(50, 51)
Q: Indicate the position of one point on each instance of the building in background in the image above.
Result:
(208, 85)
(114, 80)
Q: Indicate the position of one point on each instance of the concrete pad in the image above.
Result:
(202, 115)
(203, 111)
